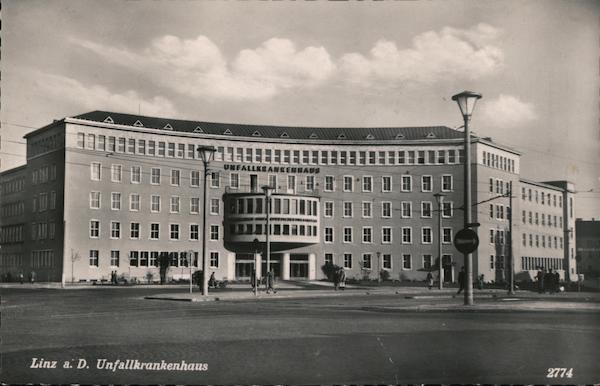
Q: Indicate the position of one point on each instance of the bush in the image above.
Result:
(384, 275)
(329, 269)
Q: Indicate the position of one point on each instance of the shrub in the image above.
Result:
(329, 269)
(384, 275)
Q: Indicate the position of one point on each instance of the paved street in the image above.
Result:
(344, 339)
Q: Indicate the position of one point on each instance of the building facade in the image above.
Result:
(108, 192)
(588, 247)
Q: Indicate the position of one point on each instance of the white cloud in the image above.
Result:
(197, 67)
(507, 111)
(434, 56)
(96, 97)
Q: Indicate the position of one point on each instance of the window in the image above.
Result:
(367, 184)
(95, 171)
(175, 177)
(447, 235)
(347, 234)
(234, 180)
(367, 209)
(214, 259)
(492, 240)
(386, 235)
(195, 178)
(425, 209)
(194, 232)
(94, 257)
(215, 180)
(328, 209)
(115, 201)
(329, 258)
(426, 184)
(386, 209)
(406, 209)
(94, 229)
(155, 176)
(174, 231)
(348, 208)
(214, 205)
(115, 230)
(386, 184)
(133, 258)
(329, 183)
(131, 145)
(406, 261)
(366, 260)
(214, 232)
(116, 173)
(195, 205)
(446, 183)
(446, 209)
(427, 262)
(406, 183)
(174, 207)
(387, 261)
(81, 140)
(155, 203)
(136, 174)
(141, 146)
(310, 183)
(94, 200)
(426, 235)
(367, 235)
(135, 230)
(348, 184)
(347, 260)
(134, 202)
(114, 258)
(154, 231)
(170, 149)
(328, 235)
(406, 235)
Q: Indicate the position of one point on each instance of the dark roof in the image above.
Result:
(266, 131)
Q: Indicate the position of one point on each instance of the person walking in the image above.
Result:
(556, 281)
(212, 282)
(548, 281)
(253, 280)
(429, 280)
(335, 275)
(32, 277)
(480, 281)
(270, 282)
(21, 277)
(342, 278)
(540, 280)
(461, 280)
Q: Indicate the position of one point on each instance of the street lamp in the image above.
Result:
(267, 189)
(206, 153)
(379, 268)
(466, 102)
(439, 197)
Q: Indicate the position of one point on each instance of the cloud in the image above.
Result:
(95, 97)
(197, 68)
(507, 111)
(434, 56)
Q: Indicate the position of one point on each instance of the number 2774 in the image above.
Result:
(559, 372)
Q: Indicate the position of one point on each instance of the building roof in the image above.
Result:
(268, 131)
(541, 184)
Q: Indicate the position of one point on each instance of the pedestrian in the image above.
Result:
(461, 280)
(556, 281)
(480, 281)
(540, 280)
(253, 280)
(342, 278)
(270, 282)
(548, 281)
(212, 282)
(21, 277)
(429, 280)
(32, 277)
(336, 279)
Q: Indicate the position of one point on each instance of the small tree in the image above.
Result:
(163, 264)
(384, 275)
(329, 269)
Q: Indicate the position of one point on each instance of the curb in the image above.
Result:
(475, 309)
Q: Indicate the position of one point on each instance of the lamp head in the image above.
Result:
(206, 153)
(466, 102)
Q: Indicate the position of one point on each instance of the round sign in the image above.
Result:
(466, 240)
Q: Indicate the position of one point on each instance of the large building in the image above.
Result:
(104, 192)
(588, 247)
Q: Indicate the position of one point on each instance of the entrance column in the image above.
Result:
(312, 266)
(231, 266)
(258, 261)
(285, 267)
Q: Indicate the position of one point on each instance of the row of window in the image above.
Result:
(270, 156)
(152, 258)
(387, 235)
(135, 203)
(534, 218)
(546, 198)
(558, 241)
(43, 174)
(43, 202)
(13, 209)
(406, 209)
(153, 231)
(43, 231)
(11, 234)
(276, 229)
(500, 186)
(255, 205)
(366, 261)
(11, 260)
(531, 263)
(497, 262)
(497, 211)
(42, 258)
(499, 162)
(44, 144)
(15, 185)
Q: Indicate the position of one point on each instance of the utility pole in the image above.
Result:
(511, 290)
(439, 197)
(267, 190)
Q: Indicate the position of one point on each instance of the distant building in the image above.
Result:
(588, 247)
(105, 192)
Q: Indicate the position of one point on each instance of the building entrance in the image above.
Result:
(275, 262)
(298, 266)
(244, 264)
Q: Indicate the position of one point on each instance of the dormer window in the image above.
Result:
(399, 136)
(256, 134)
(430, 135)
(341, 136)
(313, 136)
(284, 135)
(370, 136)
(109, 120)
(138, 124)
(198, 129)
(168, 127)
(227, 132)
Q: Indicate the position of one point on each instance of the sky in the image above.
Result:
(358, 64)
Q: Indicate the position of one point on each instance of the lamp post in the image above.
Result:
(379, 268)
(466, 102)
(206, 153)
(439, 197)
(267, 189)
(511, 289)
